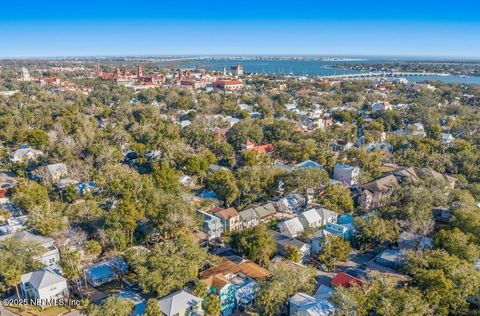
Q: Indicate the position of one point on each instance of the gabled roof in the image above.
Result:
(250, 269)
(326, 213)
(293, 226)
(28, 237)
(383, 184)
(308, 164)
(41, 279)
(177, 303)
(225, 213)
(217, 281)
(345, 280)
(311, 216)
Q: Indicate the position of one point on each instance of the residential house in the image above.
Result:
(447, 139)
(14, 224)
(212, 225)
(104, 272)
(408, 240)
(342, 230)
(242, 273)
(285, 242)
(390, 258)
(229, 217)
(376, 193)
(51, 173)
(7, 183)
(317, 217)
(225, 290)
(249, 218)
(291, 227)
(24, 154)
(255, 215)
(346, 174)
(310, 218)
(381, 106)
(49, 257)
(340, 145)
(292, 203)
(346, 280)
(43, 285)
(302, 304)
(259, 149)
(180, 303)
(308, 164)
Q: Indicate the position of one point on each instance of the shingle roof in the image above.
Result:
(382, 184)
(293, 226)
(177, 303)
(312, 216)
(28, 237)
(42, 278)
(225, 213)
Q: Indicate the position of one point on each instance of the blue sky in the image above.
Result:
(76, 28)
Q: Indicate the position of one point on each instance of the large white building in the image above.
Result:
(348, 175)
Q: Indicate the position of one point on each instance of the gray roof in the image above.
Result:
(177, 302)
(311, 216)
(293, 226)
(285, 240)
(42, 278)
(28, 237)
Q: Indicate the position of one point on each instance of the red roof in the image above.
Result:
(345, 280)
(226, 82)
(264, 149)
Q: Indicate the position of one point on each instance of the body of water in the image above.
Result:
(310, 68)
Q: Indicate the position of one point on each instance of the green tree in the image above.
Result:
(47, 220)
(168, 266)
(373, 229)
(284, 281)
(382, 297)
(244, 130)
(28, 194)
(256, 243)
(457, 243)
(112, 306)
(301, 180)
(17, 258)
(211, 305)
(152, 308)
(334, 250)
(445, 281)
(337, 198)
(201, 289)
(223, 183)
(293, 254)
(70, 261)
(93, 247)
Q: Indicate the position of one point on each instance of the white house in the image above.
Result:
(49, 257)
(212, 225)
(43, 285)
(447, 139)
(291, 227)
(310, 218)
(302, 304)
(346, 174)
(180, 303)
(381, 106)
(25, 154)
